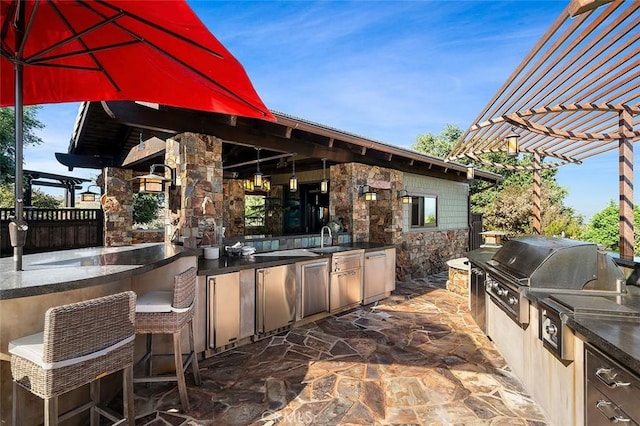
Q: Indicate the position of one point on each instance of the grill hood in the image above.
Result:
(557, 263)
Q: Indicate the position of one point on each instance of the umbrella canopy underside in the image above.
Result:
(157, 52)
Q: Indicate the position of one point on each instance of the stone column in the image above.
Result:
(199, 177)
(379, 220)
(117, 204)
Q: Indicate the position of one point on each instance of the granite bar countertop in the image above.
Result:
(226, 264)
(64, 270)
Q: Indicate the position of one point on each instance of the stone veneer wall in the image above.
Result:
(423, 253)
(379, 220)
(198, 166)
(139, 236)
(233, 208)
(117, 203)
(419, 252)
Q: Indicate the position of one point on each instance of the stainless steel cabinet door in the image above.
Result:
(374, 276)
(276, 289)
(314, 287)
(224, 309)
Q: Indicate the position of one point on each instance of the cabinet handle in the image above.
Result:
(609, 380)
(373, 256)
(616, 418)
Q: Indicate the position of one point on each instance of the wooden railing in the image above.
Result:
(54, 229)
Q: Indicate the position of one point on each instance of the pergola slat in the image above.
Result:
(576, 94)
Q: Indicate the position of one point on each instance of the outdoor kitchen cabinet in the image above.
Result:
(379, 274)
(231, 308)
(554, 384)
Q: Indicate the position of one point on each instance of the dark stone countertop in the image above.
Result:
(480, 256)
(227, 264)
(63, 270)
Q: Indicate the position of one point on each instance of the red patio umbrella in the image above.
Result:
(153, 51)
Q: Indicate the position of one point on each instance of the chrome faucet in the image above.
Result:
(322, 236)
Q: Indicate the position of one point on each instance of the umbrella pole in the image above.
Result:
(19, 190)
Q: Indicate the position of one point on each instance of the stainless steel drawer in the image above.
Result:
(612, 380)
(601, 411)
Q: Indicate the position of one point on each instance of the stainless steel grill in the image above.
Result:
(548, 264)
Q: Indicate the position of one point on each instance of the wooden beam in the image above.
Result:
(537, 191)
(577, 7)
(625, 166)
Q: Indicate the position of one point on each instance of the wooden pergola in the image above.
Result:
(575, 95)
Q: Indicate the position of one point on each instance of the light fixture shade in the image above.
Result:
(152, 183)
(257, 180)
(88, 196)
(404, 195)
(512, 144)
(324, 186)
(266, 184)
(471, 173)
(293, 180)
(369, 194)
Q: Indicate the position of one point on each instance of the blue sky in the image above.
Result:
(388, 70)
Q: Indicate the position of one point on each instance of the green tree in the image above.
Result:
(604, 228)
(145, 207)
(438, 145)
(7, 138)
(38, 198)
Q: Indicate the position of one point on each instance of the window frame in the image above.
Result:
(418, 201)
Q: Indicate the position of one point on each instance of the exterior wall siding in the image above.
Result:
(425, 251)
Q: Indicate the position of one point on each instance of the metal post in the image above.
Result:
(625, 166)
(537, 190)
(19, 190)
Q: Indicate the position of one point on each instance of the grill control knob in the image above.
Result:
(512, 301)
(501, 291)
(551, 329)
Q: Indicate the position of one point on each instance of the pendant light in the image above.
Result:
(512, 143)
(88, 196)
(257, 177)
(324, 185)
(293, 180)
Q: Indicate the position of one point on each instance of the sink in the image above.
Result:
(328, 249)
(293, 252)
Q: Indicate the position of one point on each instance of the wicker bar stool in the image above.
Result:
(81, 343)
(166, 312)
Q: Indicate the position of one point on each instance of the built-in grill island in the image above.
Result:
(553, 265)
(546, 296)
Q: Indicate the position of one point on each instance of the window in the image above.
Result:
(424, 211)
(254, 212)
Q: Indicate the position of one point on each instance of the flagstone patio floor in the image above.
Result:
(416, 357)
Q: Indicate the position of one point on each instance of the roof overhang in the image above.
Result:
(106, 132)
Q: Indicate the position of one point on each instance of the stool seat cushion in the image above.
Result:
(155, 301)
(29, 347)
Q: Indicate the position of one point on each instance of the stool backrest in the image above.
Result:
(184, 292)
(82, 328)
